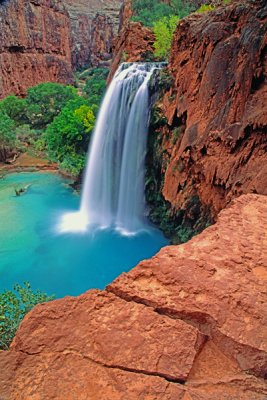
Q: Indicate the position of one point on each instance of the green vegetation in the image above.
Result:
(14, 305)
(163, 19)
(68, 136)
(45, 102)
(163, 31)
(205, 7)
(15, 108)
(95, 85)
(150, 11)
(54, 120)
(7, 135)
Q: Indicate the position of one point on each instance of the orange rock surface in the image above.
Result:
(189, 324)
(134, 42)
(217, 108)
(34, 44)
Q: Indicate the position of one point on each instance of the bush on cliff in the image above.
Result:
(163, 30)
(150, 11)
(204, 8)
(14, 305)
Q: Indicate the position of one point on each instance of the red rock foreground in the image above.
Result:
(189, 324)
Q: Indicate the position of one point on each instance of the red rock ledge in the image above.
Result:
(188, 324)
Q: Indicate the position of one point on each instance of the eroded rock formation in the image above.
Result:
(94, 24)
(188, 324)
(208, 142)
(212, 138)
(34, 44)
(134, 43)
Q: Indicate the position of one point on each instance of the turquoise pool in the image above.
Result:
(60, 264)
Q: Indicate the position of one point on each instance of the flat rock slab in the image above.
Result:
(216, 281)
(112, 332)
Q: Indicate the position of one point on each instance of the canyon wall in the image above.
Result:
(207, 142)
(34, 44)
(94, 24)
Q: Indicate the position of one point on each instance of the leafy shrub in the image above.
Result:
(163, 31)
(53, 118)
(150, 11)
(25, 134)
(45, 101)
(7, 135)
(205, 7)
(67, 137)
(182, 8)
(95, 85)
(13, 307)
(14, 108)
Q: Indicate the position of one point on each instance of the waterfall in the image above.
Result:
(113, 187)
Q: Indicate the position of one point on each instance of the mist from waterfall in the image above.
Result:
(113, 187)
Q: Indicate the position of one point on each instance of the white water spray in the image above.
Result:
(113, 189)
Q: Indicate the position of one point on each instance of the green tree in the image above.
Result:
(45, 102)
(14, 108)
(150, 11)
(68, 136)
(7, 135)
(182, 8)
(14, 305)
(95, 86)
(163, 31)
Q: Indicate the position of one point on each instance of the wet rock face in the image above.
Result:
(94, 24)
(217, 108)
(34, 44)
(188, 324)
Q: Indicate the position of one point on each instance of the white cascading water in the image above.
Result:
(113, 188)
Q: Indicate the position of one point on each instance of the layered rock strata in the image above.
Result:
(207, 142)
(213, 142)
(188, 324)
(34, 44)
(94, 24)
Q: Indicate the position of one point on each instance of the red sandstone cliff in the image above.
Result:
(134, 43)
(34, 44)
(210, 146)
(189, 324)
(214, 143)
(94, 24)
